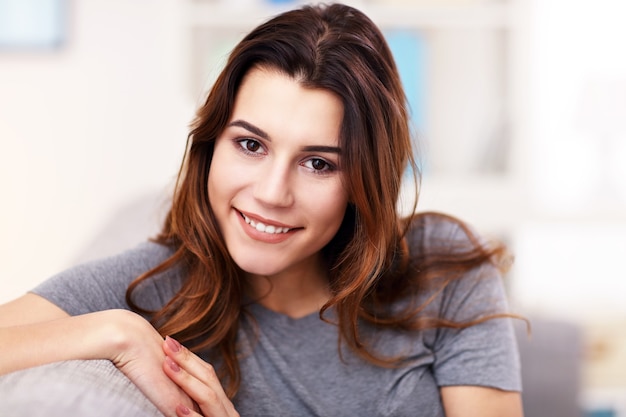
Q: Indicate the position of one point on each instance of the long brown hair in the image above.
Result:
(339, 49)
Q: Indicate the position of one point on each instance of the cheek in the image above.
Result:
(218, 188)
(228, 158)
(222, 172)
(213, 182)
(330, 207)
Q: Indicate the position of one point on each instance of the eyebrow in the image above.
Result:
(324, 149)
(250, 128)
(263, 134)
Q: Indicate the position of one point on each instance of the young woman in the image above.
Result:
(283, 263)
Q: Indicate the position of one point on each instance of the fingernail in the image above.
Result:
(173, 344)
(173, 365)
(183, 410)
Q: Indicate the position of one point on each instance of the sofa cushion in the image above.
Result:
(86, 388)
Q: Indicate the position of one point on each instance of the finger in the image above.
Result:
(194, 365)
(183, 411)
(210, 390)
(209, 401)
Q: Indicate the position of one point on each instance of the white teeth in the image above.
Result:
(265, 228)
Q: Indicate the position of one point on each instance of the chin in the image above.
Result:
(255, 268)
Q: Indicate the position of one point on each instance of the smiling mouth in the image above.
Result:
(263, 228)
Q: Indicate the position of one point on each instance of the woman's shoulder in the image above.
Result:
(443, 250)
(463, 269)
(145, 254)
(101, 284)
(434, 232)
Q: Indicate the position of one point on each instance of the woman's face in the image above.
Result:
(275, 182)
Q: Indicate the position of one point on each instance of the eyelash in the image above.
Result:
(327, 169)
(242, 144)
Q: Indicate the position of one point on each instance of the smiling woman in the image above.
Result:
(284, 280)
(270, 172)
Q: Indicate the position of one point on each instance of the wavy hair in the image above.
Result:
(338, 49)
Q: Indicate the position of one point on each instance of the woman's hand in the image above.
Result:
(34, 332)
(198, 379)
(135, 349)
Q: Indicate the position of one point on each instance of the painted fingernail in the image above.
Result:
(183, 410)
(173, 365)
(173, 344)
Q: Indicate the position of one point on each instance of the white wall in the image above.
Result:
(570, 252)
(87, 131)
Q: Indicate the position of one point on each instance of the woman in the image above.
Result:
(283, 262)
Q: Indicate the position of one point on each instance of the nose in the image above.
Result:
(273, 186)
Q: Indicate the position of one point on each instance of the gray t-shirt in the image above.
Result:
(294, 368)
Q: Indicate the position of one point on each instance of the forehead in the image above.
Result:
(281, 105)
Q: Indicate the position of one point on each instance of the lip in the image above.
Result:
(254, 234)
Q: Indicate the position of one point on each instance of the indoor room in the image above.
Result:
(518, 112)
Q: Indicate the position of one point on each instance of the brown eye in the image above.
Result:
(318, 164)
(250, 145)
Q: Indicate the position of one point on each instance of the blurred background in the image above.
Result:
(519, 108)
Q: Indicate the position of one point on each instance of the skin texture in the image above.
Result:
(278, 162)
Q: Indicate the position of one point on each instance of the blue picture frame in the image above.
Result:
(33, 24)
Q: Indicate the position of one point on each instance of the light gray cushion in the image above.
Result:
(551, 368)
(94, 388)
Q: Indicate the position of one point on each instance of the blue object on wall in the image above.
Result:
(601, 413)
(409, 52)
(409, 49)
(32, 24)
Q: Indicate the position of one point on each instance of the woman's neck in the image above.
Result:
(293, 293)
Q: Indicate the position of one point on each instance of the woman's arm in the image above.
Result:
(29, 308)
(35, 332)
(473, 401)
